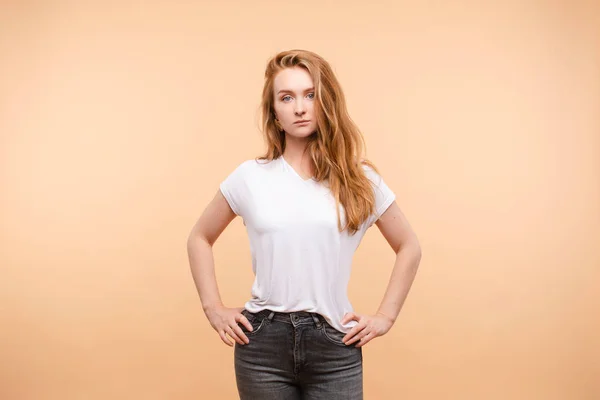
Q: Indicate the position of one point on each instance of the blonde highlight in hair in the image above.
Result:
(336, 148)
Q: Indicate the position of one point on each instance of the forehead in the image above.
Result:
(296, 79)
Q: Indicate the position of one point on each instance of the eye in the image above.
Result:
(284, 97)
(312, 94)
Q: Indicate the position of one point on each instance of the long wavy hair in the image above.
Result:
(337, 146)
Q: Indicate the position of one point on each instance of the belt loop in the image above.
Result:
(271, 315)
(317, 320)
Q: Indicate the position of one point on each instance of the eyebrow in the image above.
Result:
(290, 91)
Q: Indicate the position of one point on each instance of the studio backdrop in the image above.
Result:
(118, 121)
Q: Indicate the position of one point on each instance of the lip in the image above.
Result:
(303, 121)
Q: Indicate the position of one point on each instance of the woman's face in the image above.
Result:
(294, 99)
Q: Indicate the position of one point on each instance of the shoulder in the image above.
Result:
(246, 165)
(370, 170)
(255, 164)
(250, 166)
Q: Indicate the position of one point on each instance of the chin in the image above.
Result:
(304, 131)
(302, 135)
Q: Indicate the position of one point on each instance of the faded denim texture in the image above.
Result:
(296, 355)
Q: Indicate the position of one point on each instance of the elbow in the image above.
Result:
(190, 242)
(418, 253)
(413, 247)
(195, 239)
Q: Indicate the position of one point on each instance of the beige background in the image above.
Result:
(119, 120)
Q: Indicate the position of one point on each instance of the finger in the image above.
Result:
(225, 339)
(358, 336)
(361, 338)
(238, 331)
(367, 339)
(233, 335)
(243, 320)
(354, 331)
(349, 317)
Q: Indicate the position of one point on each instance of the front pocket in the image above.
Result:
(257, 324)
(332, 334)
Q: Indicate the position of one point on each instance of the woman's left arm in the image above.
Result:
(397, 231)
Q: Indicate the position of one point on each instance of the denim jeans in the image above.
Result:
(296, 355)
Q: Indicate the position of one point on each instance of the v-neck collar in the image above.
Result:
(291, 169)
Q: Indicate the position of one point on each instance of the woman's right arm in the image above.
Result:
(213, 221)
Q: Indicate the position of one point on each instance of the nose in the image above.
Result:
(300, 109)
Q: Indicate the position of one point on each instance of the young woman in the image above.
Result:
(306, 205)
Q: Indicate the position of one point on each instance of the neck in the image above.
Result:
(295, 149)
(296, 155)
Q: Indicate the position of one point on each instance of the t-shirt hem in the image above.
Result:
(386, 204)
(229, 198)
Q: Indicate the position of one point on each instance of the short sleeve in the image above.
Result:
(384, 196)
(235, 190)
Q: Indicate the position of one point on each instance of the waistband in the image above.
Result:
(293, 317)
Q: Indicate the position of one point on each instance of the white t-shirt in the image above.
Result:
(300, 260)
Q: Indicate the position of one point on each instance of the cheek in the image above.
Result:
(289, 115)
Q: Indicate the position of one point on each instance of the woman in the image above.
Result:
(306, 205)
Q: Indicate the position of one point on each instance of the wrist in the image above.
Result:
(208, 308)
(386, 316)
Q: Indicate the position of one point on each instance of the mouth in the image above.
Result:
(303, 121)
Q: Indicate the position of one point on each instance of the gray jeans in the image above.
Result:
(296, 355)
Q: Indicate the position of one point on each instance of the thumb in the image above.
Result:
(347, 317)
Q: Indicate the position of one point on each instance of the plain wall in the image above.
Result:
(118, 120)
